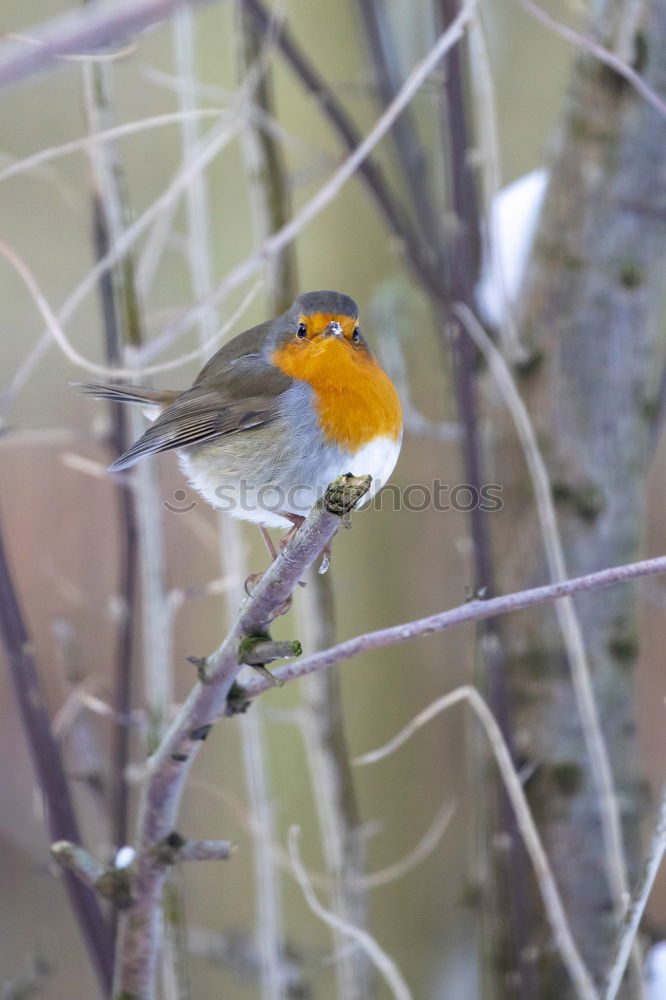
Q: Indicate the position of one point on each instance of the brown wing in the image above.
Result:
(235, 395)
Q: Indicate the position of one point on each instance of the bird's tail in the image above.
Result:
(153, 402)
(128, 393)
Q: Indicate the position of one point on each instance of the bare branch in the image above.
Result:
(73, 858)
(588, 45)
(207, 850)
(174, 848)
(48, 765)
(169, 767)
(332, 187)
(384, 963)
(102, 23)
(572, 633)
(418, 853)
(117, 132)
(470, 612)
(629, 929)
(415, 856)
(207, 149)
(553, 905)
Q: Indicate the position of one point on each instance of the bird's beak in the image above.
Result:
(333, 330)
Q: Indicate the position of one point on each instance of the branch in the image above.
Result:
(113, 306)
(330, 190)
(409, 149)
(384, 963)
(325, 745)
(48, 765)
(209, 148)
(98, 25)
(627, 933)
(550, 894)
(511, 931)
(470, 612)
(168, 769)
(113, 884)
(338, 812)
(605, 56)
(351, 137)
(568, 619)
(206, 850)
(90, 141)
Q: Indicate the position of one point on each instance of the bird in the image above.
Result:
(276, 415)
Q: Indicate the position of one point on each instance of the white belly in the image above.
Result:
(262, 504)
(376, 459)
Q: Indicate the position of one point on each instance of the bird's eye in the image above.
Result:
(302, 331)
(356, 336)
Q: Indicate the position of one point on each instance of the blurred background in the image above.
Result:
(425, 809)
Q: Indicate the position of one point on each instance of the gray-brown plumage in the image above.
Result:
(246, 428)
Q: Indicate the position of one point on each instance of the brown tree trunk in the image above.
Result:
(590, 316)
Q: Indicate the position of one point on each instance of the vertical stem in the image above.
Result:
(124, 310)
(409, 149)
(128, 556)
(596, 271)
(267, 192)
(156, 630)
(324, 730)
(47, 761)
(350, 136)
(463, 275)
(333, 784)
(269, 936)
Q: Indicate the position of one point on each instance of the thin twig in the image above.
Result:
(269, 935)
(266, 189)
(206, 850)
(415, 856)
(208, 91)
(156, 633)
(330, 190)
(332, 782)
(73, 858)
(591, 47)
(103, 23)
(418, 854)
(552, 901)
(117, 132)
(383, 962)
(470, 612)
(463, 276)
(243, 101)
(45, 752)
(632, 918)
(109, 55)
(570, 627)
(169, 767)
(409, 149)
(313, 82)
(483, 88)
(112, 316)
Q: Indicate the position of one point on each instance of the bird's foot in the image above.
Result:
(296, 522)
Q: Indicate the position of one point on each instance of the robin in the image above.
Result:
(277, 414)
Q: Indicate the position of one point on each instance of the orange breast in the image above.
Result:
(356, 400)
